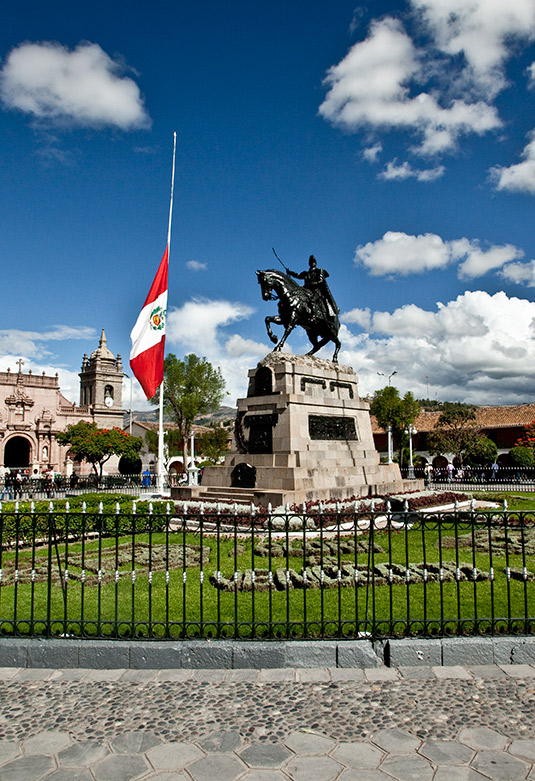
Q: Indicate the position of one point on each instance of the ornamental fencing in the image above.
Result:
(486, 478)
(342, 572)
(27, 487)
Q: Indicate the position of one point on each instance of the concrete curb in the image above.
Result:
(235, 654)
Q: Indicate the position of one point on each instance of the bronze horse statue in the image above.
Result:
(297, 307)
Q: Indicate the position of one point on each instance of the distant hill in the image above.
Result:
(222, 416)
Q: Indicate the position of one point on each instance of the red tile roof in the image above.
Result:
(486, 418)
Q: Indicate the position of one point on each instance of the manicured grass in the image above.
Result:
(156, 606)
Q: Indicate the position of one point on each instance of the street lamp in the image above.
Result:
(389, 445)
(128, 377)
(410, 430)
(382, 374)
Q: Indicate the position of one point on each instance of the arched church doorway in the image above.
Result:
(17, 453)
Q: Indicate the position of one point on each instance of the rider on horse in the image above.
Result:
(315, 281)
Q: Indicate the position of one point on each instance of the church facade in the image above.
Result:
(33, 410)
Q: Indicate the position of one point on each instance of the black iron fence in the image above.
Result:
(27, 487)
(486, 478)
(343, 572)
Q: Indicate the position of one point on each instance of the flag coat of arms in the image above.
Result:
(148, 334)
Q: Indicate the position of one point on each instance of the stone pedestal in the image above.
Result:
(302, 433)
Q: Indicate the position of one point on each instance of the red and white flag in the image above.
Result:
(148, 334)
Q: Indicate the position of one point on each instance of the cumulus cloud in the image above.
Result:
(438, 89)
(479, 348)
(372, 153)
(34, 344)
(531, 75)
(395, 172)
(520, 273)
(519, 178)
(196, 265)
(83, 86)
(401, 254)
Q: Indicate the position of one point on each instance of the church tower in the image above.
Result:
(101, 385)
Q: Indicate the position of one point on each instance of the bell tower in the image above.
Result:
(101, 385)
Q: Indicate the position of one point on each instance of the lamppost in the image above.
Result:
(193, 472)
(389, 445)
(382, 374)
(128, 377)
(410, 430)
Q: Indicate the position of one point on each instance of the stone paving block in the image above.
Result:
(223, 741)
(26, 768)
(461, 774)
(223, 767)
(347, 674)
(264, 775)
(7, 673)
(83, 754)
(396, 741)
(34, 674)
(9, 749)
(311, 675)
(100, 676)
(408, 768)
(47, 742)
(381, 674)
(139, 676)
(170, 775)
(208, 676)
(173, 756)
(455, 671)
(277, 674)
(242, 675)
(467, 651)
(313, 769)
(486, 671)
(309, 742)
(366, 774)
(357, 654)
(523, 749)
(70, 774)
(446, 752)
(497, 765)
(104, 654)
(174, 675)
(413, 652)
(417, 673)
(120, 767)
(265, 755)
(135, 742)
(518, 670)
(53, 653)
(358, 755)
(258, 655)
(69, 674)
(310, 653)
(482, 738)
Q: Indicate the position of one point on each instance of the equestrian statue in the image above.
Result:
(311, 306)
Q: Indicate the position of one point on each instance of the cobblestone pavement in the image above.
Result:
(410, 724)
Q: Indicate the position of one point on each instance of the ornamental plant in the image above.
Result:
(97, 445)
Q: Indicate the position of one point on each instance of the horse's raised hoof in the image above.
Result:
(274, 339)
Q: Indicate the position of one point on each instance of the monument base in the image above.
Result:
(303, 433)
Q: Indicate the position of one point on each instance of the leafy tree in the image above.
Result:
(455, 430)
(97, 445)
(528, 437)
(213, 443)
(392, 410)
(172, 441)
(522, 456)
(481, 451)
(191, 387)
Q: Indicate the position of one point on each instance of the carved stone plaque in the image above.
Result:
(331, 427)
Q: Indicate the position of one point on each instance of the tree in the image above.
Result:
(97, 445)
(528, 437)
(172, 441)
(522, 456)
(392, 410)
(191, 387)
(455, 430)
(482, 451)
(213, 443)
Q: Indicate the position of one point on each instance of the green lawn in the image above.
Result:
(170, 594)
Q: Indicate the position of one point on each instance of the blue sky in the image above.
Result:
(393, 140)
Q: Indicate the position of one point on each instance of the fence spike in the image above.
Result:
(134, 508)
(253, 509)
(101, 507)
(84, 507)
(50, 507)
(505, 504)
(405, 505)
(270, 510)
(388, 506)
(67, 506)
(472, 504)
(150, 508)
(17, 506)
(168, 509)
(32, 507)
(117, 508)
(0, 507)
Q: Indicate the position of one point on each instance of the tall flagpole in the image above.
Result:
(161, 466)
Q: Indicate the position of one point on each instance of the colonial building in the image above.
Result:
(33, 410)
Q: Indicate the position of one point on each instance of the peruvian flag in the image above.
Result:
(148, 334)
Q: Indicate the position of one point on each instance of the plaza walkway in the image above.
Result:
(411, 723)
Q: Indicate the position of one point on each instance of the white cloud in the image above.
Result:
(520, 273)
(377, 86)
(479, 348)
(372, 153)
(406, 171)
(196, 265)
(34, 344)
(531, 75)
(402, 254)
(83, 87)
(518, 178)
(238, 346)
